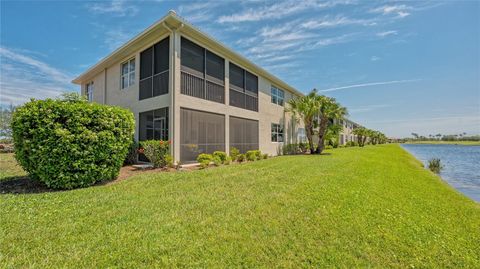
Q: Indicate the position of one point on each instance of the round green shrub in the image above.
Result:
(204, 160)
(71, 143)
(220, 154)
(251, 155)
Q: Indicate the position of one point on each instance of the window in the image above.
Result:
(200, 132)
(301, 135)
(154, 124)
(277, 132)
(251, 82)
(192, 57)
(277, 96)
(128, 74)
(89, 91)
(243, 88)
(215, 67)
(243, 134)
(236, 76)
(203, 73)
(154, 65)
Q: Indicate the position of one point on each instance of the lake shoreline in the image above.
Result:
(460, 171)
(434, 142)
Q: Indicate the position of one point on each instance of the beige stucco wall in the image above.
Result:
(128, 97)
(268, 112)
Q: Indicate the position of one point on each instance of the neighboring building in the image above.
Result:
(184, 86)
(346, 134)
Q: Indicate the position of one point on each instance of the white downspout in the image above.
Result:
(173, 86)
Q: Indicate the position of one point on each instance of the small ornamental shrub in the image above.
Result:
(169, 161)
(303, 147)
(70, 143)
(435, 165)
(204, 160)
(258, 154)
(292, 149)
(216, 160)
(241, 158)
(220, 154)
(328, 147)
(132, 154)
(156, 151)
(234, 152)
(265, 156)
(251, 155)
(228, 160)
(351, 144)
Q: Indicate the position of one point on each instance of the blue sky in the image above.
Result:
(399, 67)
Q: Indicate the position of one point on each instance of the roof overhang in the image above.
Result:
(165, 25)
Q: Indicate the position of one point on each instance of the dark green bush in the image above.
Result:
(220, 154)
(156, 151)
(71, 143)
(265, 156)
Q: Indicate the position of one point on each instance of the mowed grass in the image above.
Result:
(9, 167)
(356, 207)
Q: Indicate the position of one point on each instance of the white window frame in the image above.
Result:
(275, 132)
(129, 76)
(276, 97)
(89, 91)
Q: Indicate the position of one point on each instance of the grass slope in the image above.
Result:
(9, 167)
(358, 207)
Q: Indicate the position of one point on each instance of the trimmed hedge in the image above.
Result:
(71, 143)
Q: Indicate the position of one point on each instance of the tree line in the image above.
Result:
(319, 114)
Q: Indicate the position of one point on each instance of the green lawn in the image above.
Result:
(357, 207)
(9, 168)
(436, 142)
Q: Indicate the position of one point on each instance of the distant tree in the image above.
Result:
(5, 121)
(362, 135)
(415, 135)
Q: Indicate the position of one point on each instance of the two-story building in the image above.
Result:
(184, 86)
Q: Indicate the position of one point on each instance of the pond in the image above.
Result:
(461, 165)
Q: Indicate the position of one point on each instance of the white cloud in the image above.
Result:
(278, 10)
(400, 10)
(329, 22)
(23, 77)
(369, 84)
(387, 33)
(115, 7)
(374, 58)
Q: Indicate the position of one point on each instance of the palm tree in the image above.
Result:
(306, 108)
(362, 134)
(329, 109)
